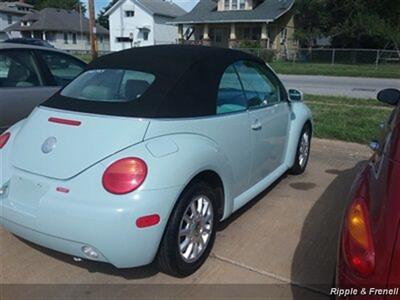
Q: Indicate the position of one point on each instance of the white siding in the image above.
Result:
(4, 23)
(164, 34)
(82, 41)
(122, 26)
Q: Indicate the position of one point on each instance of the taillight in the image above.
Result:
(124, 175)
(358, 245)
(4, 139)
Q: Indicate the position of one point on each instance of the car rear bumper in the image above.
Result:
(62, 224)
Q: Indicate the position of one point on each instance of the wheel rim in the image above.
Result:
(304, 149)
(196, 228)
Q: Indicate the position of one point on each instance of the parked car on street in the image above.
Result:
(29, 75)
(369, 251)
(146, 151)
(29, 41)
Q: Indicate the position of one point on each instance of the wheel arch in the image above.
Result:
(301, 116)
(214, 180)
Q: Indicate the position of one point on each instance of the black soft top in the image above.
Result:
(186, 81)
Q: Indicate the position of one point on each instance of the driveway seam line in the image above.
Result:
(269, 274)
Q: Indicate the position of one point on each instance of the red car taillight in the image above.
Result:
(4, 139)
(125, 175)
(358, 245)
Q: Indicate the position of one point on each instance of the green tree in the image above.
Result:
(102, 19)
(364, 23)
(311, 18)
(64, 4)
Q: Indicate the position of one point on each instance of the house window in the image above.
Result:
(242, 4)
(65, 38)
(284, 34)
(145, 35)
(9, 19)
(101, 39)
(234, 4)
(129, 13)
(74, 38)
(227, 4)
(123, 39)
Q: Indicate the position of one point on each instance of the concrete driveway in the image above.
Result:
(281, 245)
(339, 86)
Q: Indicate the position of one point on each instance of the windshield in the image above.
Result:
(109, 85)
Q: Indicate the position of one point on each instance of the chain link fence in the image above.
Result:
(329, 56)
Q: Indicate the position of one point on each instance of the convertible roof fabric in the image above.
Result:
(186, 83)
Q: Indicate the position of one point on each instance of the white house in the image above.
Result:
(66, 30)
(10, 13)
(135, 23)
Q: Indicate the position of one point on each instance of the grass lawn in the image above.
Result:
(350, 120)
(383, 71)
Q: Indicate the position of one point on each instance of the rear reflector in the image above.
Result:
(148, 221)
(4, 139)
(65, 121)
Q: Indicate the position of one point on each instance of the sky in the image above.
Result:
(185, 4)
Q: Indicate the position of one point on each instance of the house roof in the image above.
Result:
(157, 7)
(54, 19)
(11, 7)
(206, 12)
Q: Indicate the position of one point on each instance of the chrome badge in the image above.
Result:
(49, 144)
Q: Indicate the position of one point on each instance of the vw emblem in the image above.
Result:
(49, 144)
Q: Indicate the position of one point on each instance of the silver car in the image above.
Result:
(28, 76)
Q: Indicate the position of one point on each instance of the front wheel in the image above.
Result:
(303, 151)
(190, 232)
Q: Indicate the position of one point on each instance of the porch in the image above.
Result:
(232, 35)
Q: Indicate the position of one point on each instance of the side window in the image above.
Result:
(63, 67)
(261, 87)
(18, 69)
(230, 93)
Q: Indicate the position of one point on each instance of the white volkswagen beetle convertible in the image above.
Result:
(142, 154)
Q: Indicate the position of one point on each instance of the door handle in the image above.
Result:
(256, 125)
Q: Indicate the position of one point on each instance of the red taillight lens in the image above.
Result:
(4, 139)
(358, 245)
(125, 175)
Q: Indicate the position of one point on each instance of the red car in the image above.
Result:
(369, 250)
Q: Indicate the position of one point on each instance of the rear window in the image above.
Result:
(109, 85)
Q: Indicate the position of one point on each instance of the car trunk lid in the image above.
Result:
(61, 144)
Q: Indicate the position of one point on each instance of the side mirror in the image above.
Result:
(389, 96)
(296, 95)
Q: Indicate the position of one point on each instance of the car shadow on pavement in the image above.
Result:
(237, 214)
(97, 267)
(314, 261)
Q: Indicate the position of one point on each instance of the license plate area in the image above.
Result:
(24, 195)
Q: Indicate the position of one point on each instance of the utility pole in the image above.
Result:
(92, 29)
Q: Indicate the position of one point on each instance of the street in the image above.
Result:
(284, 241)
(339, 86)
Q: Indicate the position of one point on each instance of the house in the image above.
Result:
(142, 23)
(64, 29)
(10, 13)
(240, 23)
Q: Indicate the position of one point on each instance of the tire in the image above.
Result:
(170, 258)
(300, 162)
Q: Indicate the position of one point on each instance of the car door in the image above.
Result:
(22, 86)
(62, 68)
(269, 113)
(233, 129)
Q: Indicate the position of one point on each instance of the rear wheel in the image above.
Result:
(190, 232)
(303, 151)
